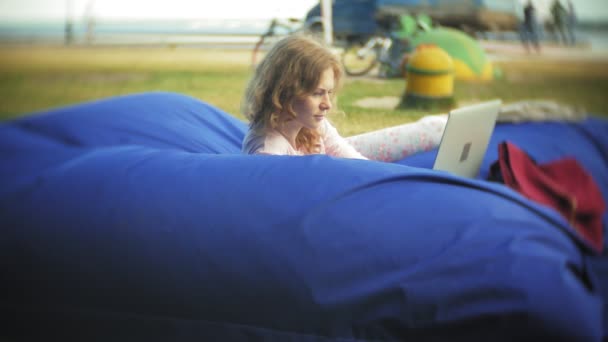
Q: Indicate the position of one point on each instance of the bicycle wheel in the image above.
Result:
(261, 47)
(358, 60)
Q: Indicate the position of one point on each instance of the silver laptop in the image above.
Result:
(466, 137)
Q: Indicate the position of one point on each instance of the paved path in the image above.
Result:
(497, 51)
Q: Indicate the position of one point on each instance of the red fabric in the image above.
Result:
(562, 184)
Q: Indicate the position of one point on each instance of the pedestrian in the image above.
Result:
(529, 30)
(571, 24)
(560, 19)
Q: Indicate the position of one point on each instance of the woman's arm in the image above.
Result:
(397, 142)
(336, 145)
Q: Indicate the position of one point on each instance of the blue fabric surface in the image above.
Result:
(136, 218)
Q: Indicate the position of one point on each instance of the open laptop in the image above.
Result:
(466, 137)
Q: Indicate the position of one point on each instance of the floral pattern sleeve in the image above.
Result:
(395, 143)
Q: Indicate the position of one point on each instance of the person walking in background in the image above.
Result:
(560, 19)
(529, 30)
(571, 24)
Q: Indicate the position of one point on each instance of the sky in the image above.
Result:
(156, 9)
(200, 9)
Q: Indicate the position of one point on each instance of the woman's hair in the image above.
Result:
(290, 70)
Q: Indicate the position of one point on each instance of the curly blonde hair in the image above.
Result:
(290, 70)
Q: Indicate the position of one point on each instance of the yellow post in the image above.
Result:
(430, 79)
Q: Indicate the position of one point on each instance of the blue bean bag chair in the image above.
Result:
(136, 218)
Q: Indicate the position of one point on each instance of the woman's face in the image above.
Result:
(312, 109)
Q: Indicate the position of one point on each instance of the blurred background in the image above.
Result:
(60, 52)
(190, 21)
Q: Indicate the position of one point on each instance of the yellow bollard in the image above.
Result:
(430, 79)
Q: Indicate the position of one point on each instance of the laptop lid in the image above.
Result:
(466, 137)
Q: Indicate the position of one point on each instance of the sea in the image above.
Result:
(222, 33)
(206, 32)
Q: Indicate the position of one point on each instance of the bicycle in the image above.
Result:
(359, 58)
(281, 28)
(388, 48)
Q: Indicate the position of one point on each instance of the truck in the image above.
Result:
(357, 19)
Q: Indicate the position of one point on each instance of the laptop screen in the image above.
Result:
(465, 140)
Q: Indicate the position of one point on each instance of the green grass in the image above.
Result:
(35, 78)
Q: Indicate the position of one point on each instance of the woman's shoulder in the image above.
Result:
(266, 143)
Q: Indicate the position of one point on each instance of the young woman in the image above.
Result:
(293, 91)
(290, 96)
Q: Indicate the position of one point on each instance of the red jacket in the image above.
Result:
(563, 185)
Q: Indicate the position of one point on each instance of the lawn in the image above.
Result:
(35, 78)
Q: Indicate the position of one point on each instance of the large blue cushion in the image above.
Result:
(136, 218)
